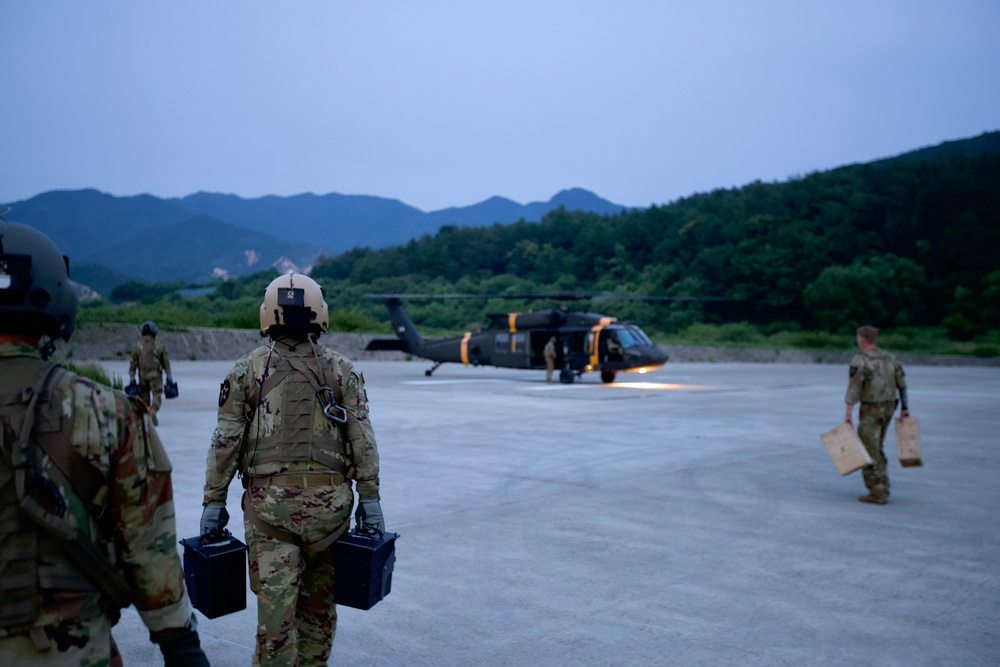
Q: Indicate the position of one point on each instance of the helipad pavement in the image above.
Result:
(690, 516)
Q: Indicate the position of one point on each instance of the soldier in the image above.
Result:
(875, 377)
(151, 359)
(293, 423)
(86, 505)
(549, 352)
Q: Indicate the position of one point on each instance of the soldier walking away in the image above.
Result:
(293, 424)
(875, 377)
(86, 506)
(150, 358)
(549, 352)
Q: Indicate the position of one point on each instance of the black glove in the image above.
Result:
(368, 516)
(214, 518)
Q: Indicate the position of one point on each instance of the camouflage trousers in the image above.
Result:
(873, 421)
(81, 644)
(296, 615)
(151, 392)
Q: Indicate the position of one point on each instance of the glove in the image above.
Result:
(214, 518)
(368, 516)
(180, 648)
(170, 379)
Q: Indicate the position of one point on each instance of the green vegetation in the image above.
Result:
(95, 372)
(908, 245)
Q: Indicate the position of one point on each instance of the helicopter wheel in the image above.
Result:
(566, 376)
(428, 373)
(607, 376)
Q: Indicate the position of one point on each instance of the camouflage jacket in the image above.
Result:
(149, 357)
(110, 433)
(874, 377)
(236, 410)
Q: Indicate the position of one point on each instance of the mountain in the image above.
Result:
(341, 222)
(199, 249)
(112, 240)
(334, 221)
(87, 221)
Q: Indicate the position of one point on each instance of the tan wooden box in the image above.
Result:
(908, 441)
(846, 449)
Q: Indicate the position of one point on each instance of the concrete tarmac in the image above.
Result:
(689, 516)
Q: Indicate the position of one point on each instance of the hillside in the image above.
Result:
(906, 241)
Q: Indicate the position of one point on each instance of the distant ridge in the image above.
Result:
(204, 235)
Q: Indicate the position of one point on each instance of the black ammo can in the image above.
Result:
(215, 571)
(363, 568)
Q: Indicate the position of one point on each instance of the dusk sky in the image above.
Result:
(444, 104)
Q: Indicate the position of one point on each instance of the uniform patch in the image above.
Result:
(225, 388)
(854, 371)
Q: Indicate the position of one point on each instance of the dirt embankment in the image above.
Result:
(110, 342)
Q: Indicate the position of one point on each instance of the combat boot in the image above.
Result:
(872, 498)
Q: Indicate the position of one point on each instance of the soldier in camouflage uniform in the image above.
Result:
(150, 358)
(293, 423)
(875, 377)
(86, 506)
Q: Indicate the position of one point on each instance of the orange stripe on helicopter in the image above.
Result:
(512, 321)
(596, 329)
(465, 347)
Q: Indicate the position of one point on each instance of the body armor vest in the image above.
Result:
(34, 560)
(296, 395)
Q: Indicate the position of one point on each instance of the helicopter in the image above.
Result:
(585, 342)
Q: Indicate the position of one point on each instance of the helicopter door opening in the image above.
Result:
(537, 348)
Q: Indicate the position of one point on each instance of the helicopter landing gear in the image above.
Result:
(607, 376)
(432, 369)
(566, 376)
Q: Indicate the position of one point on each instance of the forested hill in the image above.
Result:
(910, 240)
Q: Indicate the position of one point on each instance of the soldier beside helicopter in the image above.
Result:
(293, 424)
(82, 478)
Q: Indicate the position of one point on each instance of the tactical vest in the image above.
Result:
(310, 414)
(39, 550)
(149, 359)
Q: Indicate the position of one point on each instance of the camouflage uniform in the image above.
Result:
(109, 432)
(308, 496)
(875, 377)
(549, 352)
(150, 357)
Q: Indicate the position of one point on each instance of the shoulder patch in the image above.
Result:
(224, 391)
(854, 371)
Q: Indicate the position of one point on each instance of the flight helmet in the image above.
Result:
(149, 328)
(293, 304)
(36, 294)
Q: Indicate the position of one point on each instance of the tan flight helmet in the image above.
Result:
(294, 304)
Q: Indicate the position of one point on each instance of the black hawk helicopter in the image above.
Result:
(584, 341)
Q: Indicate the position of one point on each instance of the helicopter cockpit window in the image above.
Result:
(501, 343)
(634, 336)
(624, 337)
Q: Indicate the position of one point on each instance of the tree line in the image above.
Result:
(895, 243)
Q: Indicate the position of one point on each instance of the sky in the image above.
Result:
(442, 104)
